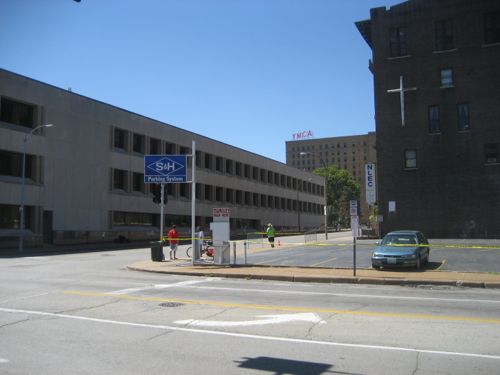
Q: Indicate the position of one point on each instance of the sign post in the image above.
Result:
(353, 209)
(166, 169)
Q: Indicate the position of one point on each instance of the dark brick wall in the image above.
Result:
(452, 192)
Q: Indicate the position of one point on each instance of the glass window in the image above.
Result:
(434, 126)
(154, 146)
(491, 153)
(229, 166)
(170, 148)
(208, 193)
(17, 113)
(138, 143)
(132, 218)
(218, 194)
(208, 161)
(120, 139)
(119, 179)
(411, 159)
(444, 35)
(138, 182)
(9, 216)
(463, 116)
(11, 164)
(398, 42)
(492, 28)
(218, 164)
(446, 77)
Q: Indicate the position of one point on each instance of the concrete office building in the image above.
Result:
(349, 152)
(437, 92)
(85, 175)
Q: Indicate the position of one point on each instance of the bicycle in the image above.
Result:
(206, 249)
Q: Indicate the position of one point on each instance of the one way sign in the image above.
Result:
(164, 168)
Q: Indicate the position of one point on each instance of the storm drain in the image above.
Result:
(171, 304)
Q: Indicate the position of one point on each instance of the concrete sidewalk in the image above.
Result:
(323, 275)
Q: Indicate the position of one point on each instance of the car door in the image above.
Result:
(424, 250)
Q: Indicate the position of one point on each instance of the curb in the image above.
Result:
(328, 279)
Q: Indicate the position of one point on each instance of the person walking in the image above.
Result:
(270, 232)
(173, 238)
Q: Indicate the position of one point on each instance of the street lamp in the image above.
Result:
(21, 208)
(303, 153)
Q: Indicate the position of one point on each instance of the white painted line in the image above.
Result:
(268, 319)
(164, 286)
(24, 297)
(245, 290)
(253, 337)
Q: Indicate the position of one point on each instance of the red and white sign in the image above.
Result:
(302, 135)
(221, 214)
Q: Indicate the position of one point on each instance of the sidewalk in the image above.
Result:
(323, 275)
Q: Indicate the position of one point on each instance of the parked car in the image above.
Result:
(401, 248)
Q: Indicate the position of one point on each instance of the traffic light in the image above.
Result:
(156, 190)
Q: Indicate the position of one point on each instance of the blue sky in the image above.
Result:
(249, 73)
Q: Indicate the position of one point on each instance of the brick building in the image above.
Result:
(438, 138)
(348, 152)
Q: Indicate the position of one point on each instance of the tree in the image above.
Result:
(341, 188)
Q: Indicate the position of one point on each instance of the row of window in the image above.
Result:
(490, 153)
(124, 218)
(9, 216)
(126, 141)
(327, 146)
(444, 35)
(11, 165)
(134, 183)
(463, 116)
(18, 113)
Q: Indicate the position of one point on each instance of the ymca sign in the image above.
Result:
(371, 188)
(302, 135)
(165, 168)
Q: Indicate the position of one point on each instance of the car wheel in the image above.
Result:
(419, 263)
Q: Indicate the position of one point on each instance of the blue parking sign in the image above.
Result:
(165, 168)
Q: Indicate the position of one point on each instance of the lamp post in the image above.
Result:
(303, 153)
(21, 208)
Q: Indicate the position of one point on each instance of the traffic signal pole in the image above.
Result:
(194, 242)
(162, 200)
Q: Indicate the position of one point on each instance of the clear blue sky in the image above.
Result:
(249, 73)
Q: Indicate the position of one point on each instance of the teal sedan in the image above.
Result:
(407, 248)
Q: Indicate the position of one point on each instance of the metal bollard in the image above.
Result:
(234, 252)
(245, 253)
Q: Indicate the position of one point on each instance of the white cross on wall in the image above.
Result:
(401, 91)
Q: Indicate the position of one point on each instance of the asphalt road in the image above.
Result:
(445, 255)
(88, 314)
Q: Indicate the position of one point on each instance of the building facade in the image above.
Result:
(349, 152)
(437, 92)
(85, 175)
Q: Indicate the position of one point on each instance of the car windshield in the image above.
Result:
(404, 239)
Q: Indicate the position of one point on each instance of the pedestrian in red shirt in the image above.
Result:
(173, 236)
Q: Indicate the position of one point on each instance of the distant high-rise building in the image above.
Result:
(349, 152)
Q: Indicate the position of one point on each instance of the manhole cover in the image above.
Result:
(171, 304)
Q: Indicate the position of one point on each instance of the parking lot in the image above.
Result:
(471, 255)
